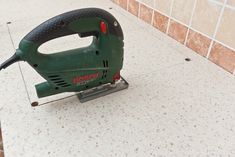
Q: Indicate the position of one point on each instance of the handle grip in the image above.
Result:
(59, 26)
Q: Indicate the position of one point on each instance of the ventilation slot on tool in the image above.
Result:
(104, 74)
(59, 81)
(53, 76)
(56, 79)
(106, 65)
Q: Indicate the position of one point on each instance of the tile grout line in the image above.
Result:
(216, 28)
(186, 37)
(190, 22)
(230, 7)
(152, 18)
(170, 18)
(153, 14)
(222, 3)
(217, 2)
(210, 48)
(170, 14)
(12, 42)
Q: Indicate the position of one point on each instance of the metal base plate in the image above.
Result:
(102, 90)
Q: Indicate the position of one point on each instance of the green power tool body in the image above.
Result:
(79, 69)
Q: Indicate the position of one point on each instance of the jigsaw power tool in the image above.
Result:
(91, 71)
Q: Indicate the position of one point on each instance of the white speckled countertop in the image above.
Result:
(172, 107)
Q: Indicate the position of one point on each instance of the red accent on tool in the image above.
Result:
(103, 27)
(80, 79)
(117, 76)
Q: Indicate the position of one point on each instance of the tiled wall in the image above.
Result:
(205, 26)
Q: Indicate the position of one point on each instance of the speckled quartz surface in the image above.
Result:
(172, 107)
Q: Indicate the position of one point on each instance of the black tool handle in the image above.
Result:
(58, 26)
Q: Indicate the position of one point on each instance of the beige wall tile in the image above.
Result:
(146, 13)
(226, 31)
(223, 57)
(182, 10)
(148, 2)
(133, 7)
(198, 43)
(206, 16)
(116, 1)
(231, 2)
(123, 4)
(163, 6)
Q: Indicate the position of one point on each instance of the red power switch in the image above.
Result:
(103, 27)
